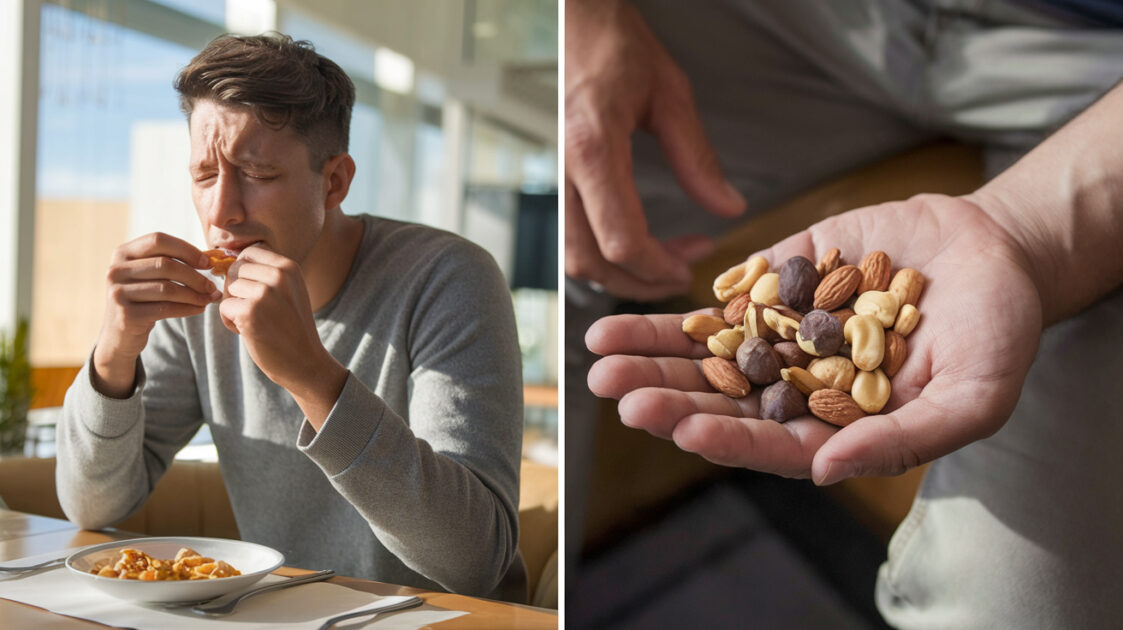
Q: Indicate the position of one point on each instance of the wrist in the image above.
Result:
(112, 374)
(319, 388)
(1018, 240)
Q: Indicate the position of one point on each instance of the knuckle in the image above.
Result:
(117, 294)
(115, 272)
(618, 250)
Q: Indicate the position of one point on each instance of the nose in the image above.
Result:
(225, 205)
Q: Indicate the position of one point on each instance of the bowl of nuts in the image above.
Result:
(173, 569)
(822, 339)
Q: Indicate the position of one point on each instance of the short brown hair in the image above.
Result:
(282, 81)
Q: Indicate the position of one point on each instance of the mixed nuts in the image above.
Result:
(822, 338)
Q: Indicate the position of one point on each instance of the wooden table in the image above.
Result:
(24, 535)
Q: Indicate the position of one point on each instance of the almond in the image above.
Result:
(829, 262)
(875, 269)
(837, 287)
(896, 349)
(833, 406)
(724, 376)
(735, 311)
(843, 314)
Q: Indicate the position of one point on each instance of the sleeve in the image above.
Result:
(111, 452)
(441, 492)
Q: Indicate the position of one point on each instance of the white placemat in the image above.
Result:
(304, 606)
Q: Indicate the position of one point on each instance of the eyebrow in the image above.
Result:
(239, 161)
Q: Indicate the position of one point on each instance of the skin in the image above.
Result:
(1033, 246)
(620, 79)
(255, 193)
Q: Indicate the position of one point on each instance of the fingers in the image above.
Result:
(658, 410)
(159, 244)
(648, 335)
(160, 276)
(948, 415)
(675, 123)
(614, 376)
(783, 449)
(599, 167)
(583, 260)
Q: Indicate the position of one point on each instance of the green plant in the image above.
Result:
(15, 389)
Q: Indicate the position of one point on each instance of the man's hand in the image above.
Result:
(150, 278)
(981, 320)
(266, 302)
(619, 78)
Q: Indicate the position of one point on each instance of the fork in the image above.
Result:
(376, 609)
(225, 606)
(34, 567)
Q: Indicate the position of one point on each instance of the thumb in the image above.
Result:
(676, 126)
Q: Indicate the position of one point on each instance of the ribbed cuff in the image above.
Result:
(348, 429)
(104, 416)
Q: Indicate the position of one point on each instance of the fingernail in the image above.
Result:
(836, 472)
(216, 295)
(735, 196)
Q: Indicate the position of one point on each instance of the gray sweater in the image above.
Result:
(414, 476)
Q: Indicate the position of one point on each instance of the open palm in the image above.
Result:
(981, 322)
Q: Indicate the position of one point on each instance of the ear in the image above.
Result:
(337, 174)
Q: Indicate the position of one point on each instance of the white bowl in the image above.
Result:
(253, 560)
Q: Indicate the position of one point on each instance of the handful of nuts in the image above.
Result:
(822, 338)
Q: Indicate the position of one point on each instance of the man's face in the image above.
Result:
(252, 184)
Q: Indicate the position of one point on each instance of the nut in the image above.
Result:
(837, 287)
(782, 401)
(896, 349)
(867, 341)
(875, 269)
(783, 324)
(787, 312)
(803, 380)
(739, 278)
(907, 284)
(834, 372)
(798, 280)
(766, 290)
(819, 334)
(833, 406)
(791, 354)
(906, 320)
(724, 376)
(755, 326)
(829, 262)
(843, 314)
(700, 327)
(735, 311)
(758, 361)
(724, 343)
(871, 390)
(882, 305)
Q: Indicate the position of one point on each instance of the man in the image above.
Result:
(1016, 524)
(360, 376)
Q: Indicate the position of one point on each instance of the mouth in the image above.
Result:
(234, 248)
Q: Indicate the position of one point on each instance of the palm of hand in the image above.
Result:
(981, 321)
